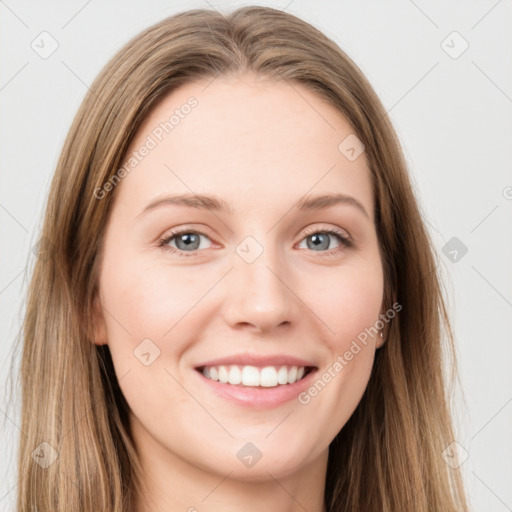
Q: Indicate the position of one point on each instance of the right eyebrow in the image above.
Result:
(206, 202)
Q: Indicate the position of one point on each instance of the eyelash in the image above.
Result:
(345, 241)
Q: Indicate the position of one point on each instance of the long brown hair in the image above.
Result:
(388, 457)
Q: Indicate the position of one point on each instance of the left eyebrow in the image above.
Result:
(324, 201)
(210, 202)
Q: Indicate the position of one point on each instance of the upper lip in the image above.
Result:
(257, 360)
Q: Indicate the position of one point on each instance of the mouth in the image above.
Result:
(256, 388)
(249, 376)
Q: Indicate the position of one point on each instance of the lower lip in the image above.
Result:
(258, 397)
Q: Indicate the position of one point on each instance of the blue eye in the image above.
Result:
(320, 240)
(184, 239)
(189, 241)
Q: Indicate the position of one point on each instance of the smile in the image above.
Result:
(253, 376)
(256, 388)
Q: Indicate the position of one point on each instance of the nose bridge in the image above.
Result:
(257, 292)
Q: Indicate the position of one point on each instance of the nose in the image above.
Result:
(259, 295)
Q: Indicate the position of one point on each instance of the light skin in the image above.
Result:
(260, 146)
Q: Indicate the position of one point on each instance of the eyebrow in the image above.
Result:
(214, 203)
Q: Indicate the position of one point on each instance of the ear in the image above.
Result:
(380, 340)
(99, 328)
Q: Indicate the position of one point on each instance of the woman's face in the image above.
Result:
(260, 277)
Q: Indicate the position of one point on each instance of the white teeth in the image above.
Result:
(282, 375)
(250, 376)
(223, 374)
(292, 375)
(235, 375)
(269, 376)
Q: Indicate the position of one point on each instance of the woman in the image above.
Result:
(238, 307)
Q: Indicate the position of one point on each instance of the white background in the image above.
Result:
(453, 117)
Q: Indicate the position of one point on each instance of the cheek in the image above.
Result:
(149, 317)
(350, 308)
(147, 300)
(348, 302)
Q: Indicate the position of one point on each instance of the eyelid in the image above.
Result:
(342, 233)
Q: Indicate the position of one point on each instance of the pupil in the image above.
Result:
(317, 242)
(187, 239)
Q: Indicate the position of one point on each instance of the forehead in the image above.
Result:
(245, 139)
